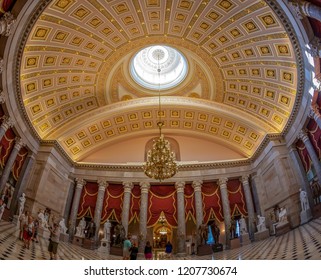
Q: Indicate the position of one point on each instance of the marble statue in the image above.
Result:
(283, 218)
(107, 226)
(22, 201)
(42, 221)
(62, 225)
(81, 227)
(243, 227)
(260, 223)
(304, 200)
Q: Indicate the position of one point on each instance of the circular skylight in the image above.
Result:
(158, 67)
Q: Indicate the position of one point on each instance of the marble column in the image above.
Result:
(300, 171)
(316, 164)
(226, 210)
(315, 114)
(144, 188)
(181, 230)
(249, 204)
(99, 205)
(7, 169)
(75, 204)
(128, 186)
(21, 183)
(6, 124)
(197, 185)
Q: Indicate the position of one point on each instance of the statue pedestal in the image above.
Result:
(104, 246)
(218, 247)
(77, 240)
(117, 251)
(305, 216)
(282, 228)
(235, 243)
(261, 235)
(44, 232)
(245, 239)
(204, 250)
(64, 237)
(89, 244)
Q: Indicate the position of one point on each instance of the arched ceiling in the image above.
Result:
(76, 87)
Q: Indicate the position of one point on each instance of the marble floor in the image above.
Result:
(301, 243)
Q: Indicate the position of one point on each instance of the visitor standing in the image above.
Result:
(126, 246)
(148, 251)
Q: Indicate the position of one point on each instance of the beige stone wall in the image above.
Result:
(277, 183)
(49, 183)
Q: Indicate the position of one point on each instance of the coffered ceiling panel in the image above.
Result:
(76, 87)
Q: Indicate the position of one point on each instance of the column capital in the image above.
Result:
(128, 186)
(144, 187)
(296, 8)
(222, 181)
(197, 185)
(303, 135)
(80, 182)
(6, 24)
(245, 178)
(18, 143)
(102, 184)
(180, 186)
(7, 122)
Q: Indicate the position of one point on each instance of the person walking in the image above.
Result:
(54, 241)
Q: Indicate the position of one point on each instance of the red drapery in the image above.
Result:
(6, 5)
(20, 159)
(236, 197)
(113, 203)
(134, 204)
(314, 133)
(304, 155)
(212, 207)
(189, 203)
(88, 200)
(162, 199)
(7, 143)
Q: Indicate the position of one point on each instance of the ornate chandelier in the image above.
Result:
(160, 163)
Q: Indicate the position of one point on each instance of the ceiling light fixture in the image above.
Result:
(161, 162)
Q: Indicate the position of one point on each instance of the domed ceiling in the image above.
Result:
(241, 85)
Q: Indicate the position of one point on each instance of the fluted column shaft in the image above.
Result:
(226, 210)
(128, 186)
(181, 230)
(6, 123)
(99, 205)
(249, 203)
(10, 162)
(144, 188)
(197, 185)
(75, 204)
(304, 137)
